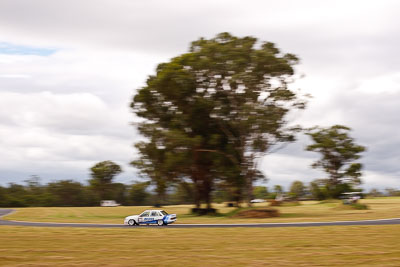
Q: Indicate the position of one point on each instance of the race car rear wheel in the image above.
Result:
(131, 222)
(160, 222)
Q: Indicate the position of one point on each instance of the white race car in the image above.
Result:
(158, 217)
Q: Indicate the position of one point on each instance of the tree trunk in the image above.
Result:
(249, 192)
(196, 192)
(202, 180)
(249, 187)
(207, 190)
(237, 196)
(196, 180)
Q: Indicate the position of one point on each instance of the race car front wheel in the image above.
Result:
(131, 222)
(160, 222)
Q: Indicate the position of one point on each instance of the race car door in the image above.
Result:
(155, 216)
(144, 217)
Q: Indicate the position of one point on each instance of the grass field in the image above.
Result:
(308, 246)
(138, 246)
(379, 208)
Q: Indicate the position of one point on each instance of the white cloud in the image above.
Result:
(75, 113)
(49, 134)
(383, 84)
(380, 180)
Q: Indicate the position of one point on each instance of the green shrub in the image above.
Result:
(359, 206)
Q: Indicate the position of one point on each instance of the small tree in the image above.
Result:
(297, 189)
(278, 189)
(317, 189)
(261, 192)
(339, 153)
(102, 175)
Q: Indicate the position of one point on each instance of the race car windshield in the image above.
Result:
(164, 213)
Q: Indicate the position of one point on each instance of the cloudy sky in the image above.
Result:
(68, 70)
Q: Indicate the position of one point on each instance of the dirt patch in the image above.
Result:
(274, 202)
(257, 213)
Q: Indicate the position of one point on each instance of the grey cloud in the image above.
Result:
(152, 25)
(167, 27)
(106, 49)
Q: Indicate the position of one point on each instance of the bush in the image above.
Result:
(13, 202)
(359, 206)
(354, 206)
(199, 211)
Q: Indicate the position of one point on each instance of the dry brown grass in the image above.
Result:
(308, 246)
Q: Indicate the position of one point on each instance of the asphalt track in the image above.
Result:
(4, 212)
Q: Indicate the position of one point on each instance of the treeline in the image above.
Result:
(388, 192)
(58, 193)
(319, 189)
(69, 193)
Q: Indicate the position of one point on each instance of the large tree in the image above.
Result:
(216, 109)
(339, 155)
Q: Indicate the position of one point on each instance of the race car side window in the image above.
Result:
(154, 213)
(145, 214)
